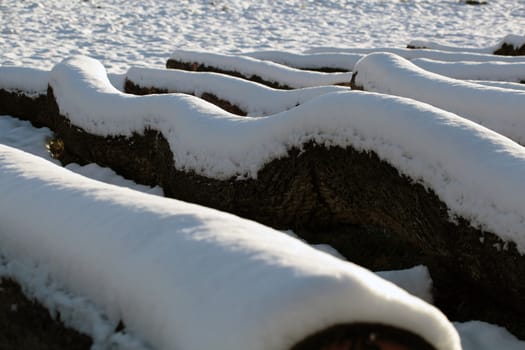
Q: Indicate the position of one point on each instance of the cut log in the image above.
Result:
(131, 88)
(198, 67)
(27, 325)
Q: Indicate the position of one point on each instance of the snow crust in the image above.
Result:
(267, 70)
(254, 98)
(171, 270)
(496, 71)
(31, 81)
(496, 108)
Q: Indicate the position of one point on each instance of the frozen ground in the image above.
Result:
(121, 33)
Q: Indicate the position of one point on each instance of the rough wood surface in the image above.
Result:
(27, 325)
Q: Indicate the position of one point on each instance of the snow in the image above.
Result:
(500, 84)
(415, 280)
(496, 108)
(22, 135)
(511, 39)
(481, 335)
(411, 54)
(122, 34)
(31, 81)
(75, 311)
(251, 97)
(497, 71)
(267, 70)
(112, 245)
(344, 61)
(433, 45)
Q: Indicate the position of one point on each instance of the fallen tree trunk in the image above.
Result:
(131, 88)
(198, 67)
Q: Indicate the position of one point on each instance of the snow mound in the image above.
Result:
(268, 71)
(496, 108)
(456, 158)
(186, 277)
(249, 96)
(495, 71)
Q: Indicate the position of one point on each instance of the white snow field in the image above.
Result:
(121, 34)
(111, 245)
(496, 108)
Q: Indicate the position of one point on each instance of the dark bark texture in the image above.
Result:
(27, 325)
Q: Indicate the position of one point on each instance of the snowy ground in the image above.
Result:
(144, 33)
(120, 33)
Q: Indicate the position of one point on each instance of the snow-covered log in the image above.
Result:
(264, 72)
(410, 54)
(236, 95)
(498, 109)
(186, 277)
(423, 176)
(492, 71)
(510, 45)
